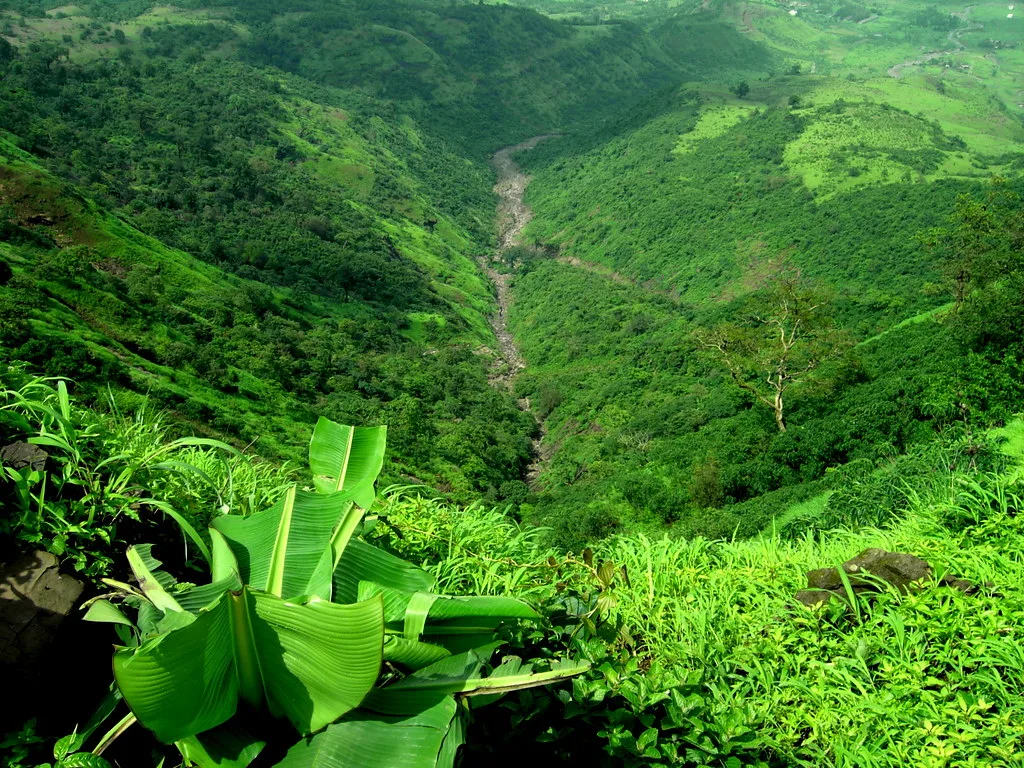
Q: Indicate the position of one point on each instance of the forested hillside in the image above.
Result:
(648, 371)
(680, 226)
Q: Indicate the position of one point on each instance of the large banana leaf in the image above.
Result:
(183, 682)
(230, 746)
(347, 458)
(457, 623)
(364, 562)
(287, 550)
(311, 661)
(361, 740)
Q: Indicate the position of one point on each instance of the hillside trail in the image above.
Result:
(953, 37)
(512, 217)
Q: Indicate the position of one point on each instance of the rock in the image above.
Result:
(34, 599)
(965, 586)
(870, 571)
(20, 455)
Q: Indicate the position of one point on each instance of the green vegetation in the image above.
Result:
(677, 219)
(760, 316)
(298, 619)
(315, 282)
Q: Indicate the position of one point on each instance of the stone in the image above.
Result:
(34, 599)
(20, 455)
(870, 571)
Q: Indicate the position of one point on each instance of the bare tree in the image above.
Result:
(786, 337)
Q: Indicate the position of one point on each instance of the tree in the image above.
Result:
(782, 342)
(741, 89)
(983, 255)
(985, 243)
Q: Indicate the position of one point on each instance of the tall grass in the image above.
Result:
(931, 678)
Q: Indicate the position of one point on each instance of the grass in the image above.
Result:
(931, 678)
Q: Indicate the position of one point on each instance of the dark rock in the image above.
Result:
(34, 599)
(965, 586)
(871, 571)
(20, 455)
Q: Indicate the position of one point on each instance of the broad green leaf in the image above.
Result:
(416, 614)
(106, 611)
(454, 739)
(361, 740)
(231, 745)
(319, 660)
(183, 682)
(460, 675)
(344, 531)
(477, 613)
(509, 680)
(412, 654)
(311, 661)
(426, 687)
(153, 582)
(286, 550)
(195, 599)
(223, 562)
(364, 562)
(347, 458)
(395, 602)
(462, 623)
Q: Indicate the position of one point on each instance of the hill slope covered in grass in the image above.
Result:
(717, 664)
(304, 249)
(682, 218)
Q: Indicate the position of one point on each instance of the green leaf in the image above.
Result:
(195, 599)
(312, 661)
(461, 623)
(66, 745)
(231, 745)
(347, 458)
(63, 399)
(416, 614)
(425, 688)
(360, 740)
(412, 654)
(183, 682)
(461, 675)
(364, 562)
(286, 550)
(477, 613)
(153, 582)
(454, 739)
(106, 611)
(223, 562)
(84, 760)
(319, 660)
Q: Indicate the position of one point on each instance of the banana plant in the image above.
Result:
(341, 643)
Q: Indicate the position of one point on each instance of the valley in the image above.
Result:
(593, 332)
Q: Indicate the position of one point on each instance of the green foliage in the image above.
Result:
(84, 483)
(298, 619)
(726, 669)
